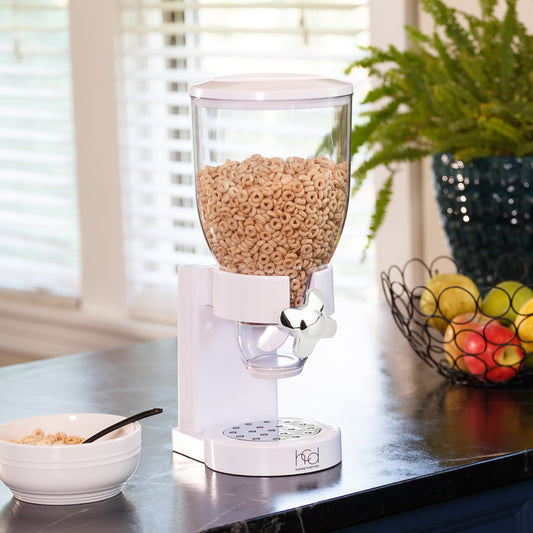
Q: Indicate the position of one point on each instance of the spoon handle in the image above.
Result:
(121, 423)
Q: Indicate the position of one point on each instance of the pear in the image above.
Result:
(524, 330)
(446, 296)
(505, 300)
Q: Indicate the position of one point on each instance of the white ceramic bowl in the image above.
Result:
(68, 474)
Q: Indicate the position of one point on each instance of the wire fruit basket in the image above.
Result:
(477, 336)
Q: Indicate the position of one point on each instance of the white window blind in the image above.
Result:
(164, 47)
(39, 237)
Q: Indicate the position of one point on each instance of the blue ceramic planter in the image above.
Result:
(486, 207)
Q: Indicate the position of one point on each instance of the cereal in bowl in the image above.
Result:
(38, 438)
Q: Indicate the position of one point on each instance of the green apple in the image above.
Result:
(504, 301)
(446, 296)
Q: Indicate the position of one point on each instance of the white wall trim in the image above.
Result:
(400, 238)
(41, 331)
(92, 47)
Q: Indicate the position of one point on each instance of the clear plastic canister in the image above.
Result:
(272, 160)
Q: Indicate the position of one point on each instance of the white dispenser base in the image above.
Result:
(274, 447)
(265, 448)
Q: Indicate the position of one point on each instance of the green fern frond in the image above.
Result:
(386, 157)
(467, 154)
(525, 149)
(487, 8)
(358, 180)
(496, 128)
(417, 38)
(450, 64)
(521, 110)
(372, 56)
(505, 48)
(461, 124)
(468, 141)
(456, 98)
(475, 76)
(378, 93)
(362, 134)
(447, 18)
(383, 199)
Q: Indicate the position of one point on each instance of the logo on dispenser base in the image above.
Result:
(307, 459)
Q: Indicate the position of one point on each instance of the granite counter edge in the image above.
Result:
(386, 500)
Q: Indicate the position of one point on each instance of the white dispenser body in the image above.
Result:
(272, 161)
(227, 416)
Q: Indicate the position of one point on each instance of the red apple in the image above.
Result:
(493, 352)
(455, 336)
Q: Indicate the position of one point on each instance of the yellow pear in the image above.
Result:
(524, 327)
(446, 296)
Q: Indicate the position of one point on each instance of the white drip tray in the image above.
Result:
(273, 447)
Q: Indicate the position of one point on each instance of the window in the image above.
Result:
(39, 238)
(106, 238)
(165, 46)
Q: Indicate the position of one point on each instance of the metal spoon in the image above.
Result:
(121, 423)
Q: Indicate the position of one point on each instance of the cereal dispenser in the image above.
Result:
(272, 163)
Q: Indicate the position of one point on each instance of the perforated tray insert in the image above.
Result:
(272, 430)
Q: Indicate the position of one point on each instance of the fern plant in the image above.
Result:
(465, 89)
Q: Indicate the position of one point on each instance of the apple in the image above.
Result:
(447, 296)
(505, 300)
(455, 336)
(498, 419)
(493, 352)
(495, 419)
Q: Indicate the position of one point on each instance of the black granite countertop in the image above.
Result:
(409, 438)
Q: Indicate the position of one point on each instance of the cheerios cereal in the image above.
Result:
(38, 438)
(274, 216)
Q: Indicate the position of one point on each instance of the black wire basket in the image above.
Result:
(467, 349)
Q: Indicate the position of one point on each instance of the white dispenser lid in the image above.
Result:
(297, 89)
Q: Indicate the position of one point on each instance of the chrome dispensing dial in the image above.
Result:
(308, 323)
